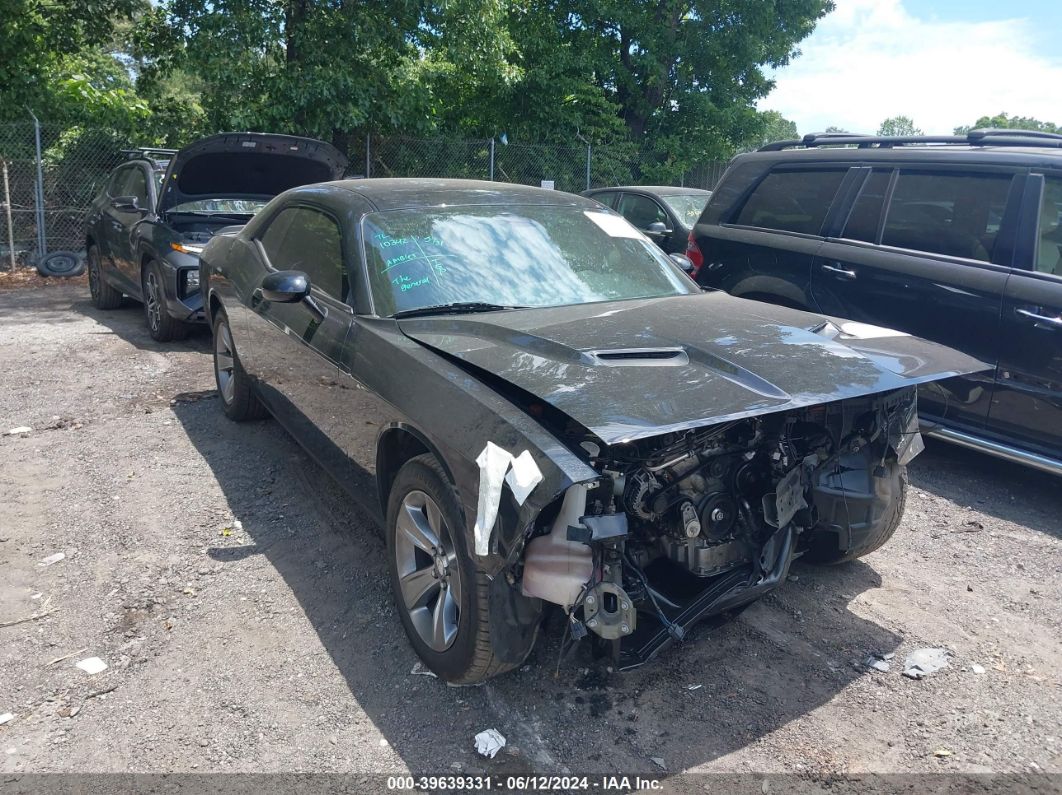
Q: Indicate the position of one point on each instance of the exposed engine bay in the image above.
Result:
(199, 230)
(690, 525)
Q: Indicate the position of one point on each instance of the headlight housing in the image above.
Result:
(191, 281)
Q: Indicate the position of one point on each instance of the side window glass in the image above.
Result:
(136, 185)
(607, 198)
(1049, 251)
(114, 184)
(866, 212)
(307, 240)
(641, 211)
(792, 201)
(273, 237)
(953, 214)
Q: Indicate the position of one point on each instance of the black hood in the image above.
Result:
(247, 165)
(632, 369)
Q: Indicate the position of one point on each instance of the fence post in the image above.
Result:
(7, 210)
(492, 160)
(368, 155)
(588, 165)
(42, 240)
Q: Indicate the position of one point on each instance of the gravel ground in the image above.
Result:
(241, 606)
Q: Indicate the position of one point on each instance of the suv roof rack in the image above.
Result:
(979, 137)
(149, 153)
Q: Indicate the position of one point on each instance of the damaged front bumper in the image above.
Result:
(656, 545)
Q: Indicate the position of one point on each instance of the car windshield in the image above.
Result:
(687, 207)
(221, 206)
(511, 256)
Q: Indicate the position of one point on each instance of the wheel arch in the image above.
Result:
(397, 444)
(213, 305)
(772, 290)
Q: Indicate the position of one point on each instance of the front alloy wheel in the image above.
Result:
(444, 599)
(429, 574)
(161, 324)
(153, 302)
(224, 363)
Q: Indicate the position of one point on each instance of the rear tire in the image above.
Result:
(235, 389)
(429, 564)
(103, 295)
(823, 548)
(162, 326)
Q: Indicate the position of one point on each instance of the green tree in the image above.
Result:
(684, 74)
(324, 69)
(898, 125)
(1004, 121)
(678, 77)
(773, 127)
(54, 59)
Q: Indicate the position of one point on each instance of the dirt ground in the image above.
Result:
(241, 606)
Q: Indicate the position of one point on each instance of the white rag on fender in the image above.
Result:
(498, 466)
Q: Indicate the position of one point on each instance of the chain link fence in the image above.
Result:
(52, 174)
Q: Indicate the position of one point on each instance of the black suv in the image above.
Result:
(145, 229)
(956, 239)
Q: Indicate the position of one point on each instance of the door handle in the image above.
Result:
(844, 273)
(1048, 322)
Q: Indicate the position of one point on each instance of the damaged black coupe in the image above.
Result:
(541, 407)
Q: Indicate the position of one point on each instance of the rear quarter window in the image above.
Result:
(791, 201)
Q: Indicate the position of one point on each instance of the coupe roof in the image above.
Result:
(657, 190)
(393, 194)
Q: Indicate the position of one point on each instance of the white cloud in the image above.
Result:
(872, 59)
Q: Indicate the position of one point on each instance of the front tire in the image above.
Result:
(238, 399)
(103, 295)
(442, 598)
(162, 326)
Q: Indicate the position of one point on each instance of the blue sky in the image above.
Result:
(941, 62)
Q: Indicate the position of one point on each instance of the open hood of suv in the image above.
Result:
(247, 166)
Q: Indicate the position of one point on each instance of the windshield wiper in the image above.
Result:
(457, 308)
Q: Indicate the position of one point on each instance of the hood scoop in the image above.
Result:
(640, 357)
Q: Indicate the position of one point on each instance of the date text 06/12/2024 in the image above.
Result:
(455, 783)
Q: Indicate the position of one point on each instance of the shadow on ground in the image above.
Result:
(1007, 491)
(784, 656)
(128, 322)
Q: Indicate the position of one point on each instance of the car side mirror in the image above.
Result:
(658, 228)
(127, 204)
(285, 287)
(683, 262)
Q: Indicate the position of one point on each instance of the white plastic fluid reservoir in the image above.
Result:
(556, 569)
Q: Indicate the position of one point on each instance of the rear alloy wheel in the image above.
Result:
(161, 325)
(443, 599)
(237, 393)
(103, 295)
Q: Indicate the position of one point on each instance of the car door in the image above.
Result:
(925, 251)
(643, 212)
(123, 222)
(1026, 407)
(293, 349)
(763, 247)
